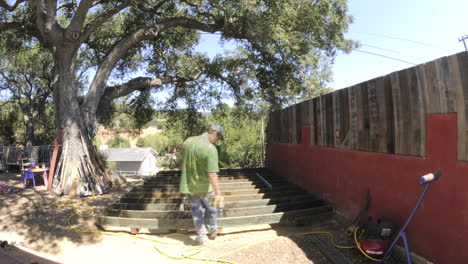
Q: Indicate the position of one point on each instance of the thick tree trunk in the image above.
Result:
(79, 170)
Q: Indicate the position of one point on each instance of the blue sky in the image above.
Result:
(415, 31)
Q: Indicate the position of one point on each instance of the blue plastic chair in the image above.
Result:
(28, 175)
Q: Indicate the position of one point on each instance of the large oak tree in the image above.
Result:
(136, 47)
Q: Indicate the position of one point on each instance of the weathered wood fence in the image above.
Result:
(386, 114)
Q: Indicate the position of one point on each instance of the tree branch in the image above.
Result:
(46, 11)
(140, 83)
(90, 28)
(97, 86)
(8, 7)
(20, 28)
(143, 83)
(79, 17)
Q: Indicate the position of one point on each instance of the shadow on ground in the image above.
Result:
(34, 217)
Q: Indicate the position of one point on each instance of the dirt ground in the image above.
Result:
(34, 219)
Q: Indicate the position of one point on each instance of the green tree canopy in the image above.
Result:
(129, 47)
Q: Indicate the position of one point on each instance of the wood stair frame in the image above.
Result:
(248, 201)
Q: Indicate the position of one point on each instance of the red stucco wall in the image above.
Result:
(439, 231)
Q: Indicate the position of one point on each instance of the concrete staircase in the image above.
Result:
(252, 196)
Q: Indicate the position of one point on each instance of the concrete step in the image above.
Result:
(321, 212)
(249, 200)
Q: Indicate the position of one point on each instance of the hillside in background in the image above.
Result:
(105, 135)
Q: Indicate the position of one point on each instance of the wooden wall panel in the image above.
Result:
(434, 102)
(317, 122)
(328, 116)
(386, 114)
(416, 111)
(374, 117)
(336, 119)
(446, 93)
(455, 87)
(298, 117)
(463, 66)
(312, 122)
(397, 110)
(362, 104)
(390, 115)
(353, 119)
(424, 100)
(405, 110)
(292, 124)
(341, 117)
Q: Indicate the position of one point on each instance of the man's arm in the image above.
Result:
(213, 178)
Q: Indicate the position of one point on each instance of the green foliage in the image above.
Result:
(283, 53)
(9, 125)
(130, 114)
(158, 142)
(26, 83)
(182, 124)
(118, 142)
(242, 145)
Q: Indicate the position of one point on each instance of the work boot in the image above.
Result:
(201, 240)
(213, 234)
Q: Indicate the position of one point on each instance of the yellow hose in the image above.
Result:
(194, 250)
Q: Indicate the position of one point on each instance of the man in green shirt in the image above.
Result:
(199, 180)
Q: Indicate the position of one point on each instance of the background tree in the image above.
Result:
(136, 45)
(9, 124)
(26, 82)
(243, 143)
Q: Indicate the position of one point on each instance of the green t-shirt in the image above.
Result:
(199, 157)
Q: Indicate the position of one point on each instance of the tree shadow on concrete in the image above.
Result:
(35, 216)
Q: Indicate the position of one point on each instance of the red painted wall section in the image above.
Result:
(439, 231)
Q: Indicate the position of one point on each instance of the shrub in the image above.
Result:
(118, 142)
(158, 142)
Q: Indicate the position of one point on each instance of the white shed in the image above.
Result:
(134, 161)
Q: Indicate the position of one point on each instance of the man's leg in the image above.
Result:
(198, 216)
(211, 217)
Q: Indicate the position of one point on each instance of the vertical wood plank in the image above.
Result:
(328, 116)
(398, 115)
(406, 115)
(298, 132)
(424, 100)
(344, 114)
(292, 125)
(284, 126)
(455, 87)
(362, 105)
(433, 91)
(337, 118)
(353, 117)
(381, 122)
(390, 115)
(447, 104)
(318, 122)
(374, 123)
(323, 124)
(312, 122)
(305, 119)
(463, 65)
(416, 109)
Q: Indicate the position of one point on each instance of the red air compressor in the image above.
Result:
(375, 238)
